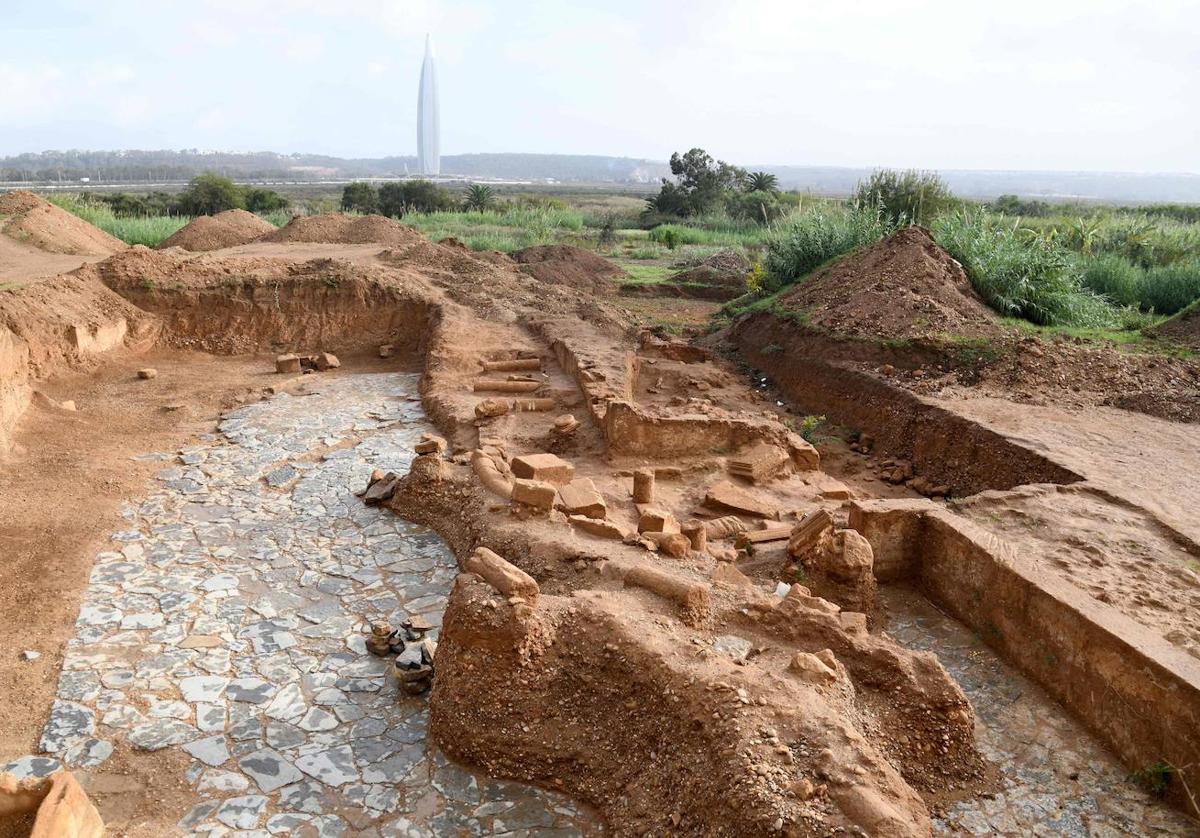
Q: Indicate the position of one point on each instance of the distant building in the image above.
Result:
(428, 129)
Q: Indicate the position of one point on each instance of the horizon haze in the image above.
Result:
(1071, 86)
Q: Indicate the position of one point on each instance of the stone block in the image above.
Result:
(287, 363)
(579, 497)
(548, 467)
(598, 527)
(327, 361)
(502, 575)
(536, 493)
(657, 520)
(724, 496)
(491, 408)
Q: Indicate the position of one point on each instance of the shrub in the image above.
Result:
(360, 196)
(209, 194)
(809, 239)
(1030, 278)
(760, 207)
(1171, 288)
(263, 200)
(1114, 277)
(424, 196)
(911, 196)
(478, 197)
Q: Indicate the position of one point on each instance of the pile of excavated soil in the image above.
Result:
(336, 228)
(27, 217)
(903, 287)
(213, 232)
(562, 264)
(1183, 327)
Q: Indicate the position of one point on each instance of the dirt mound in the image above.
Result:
(905, 286)
(336, 228)
(27, 217)
(214, 232)
(562, 264)
(1183, 327)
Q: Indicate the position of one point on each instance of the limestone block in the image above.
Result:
(327, 361)
(287, 363)
(601, 528)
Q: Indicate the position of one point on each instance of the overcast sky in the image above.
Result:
(1023, 84)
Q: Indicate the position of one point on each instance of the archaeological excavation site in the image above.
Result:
(336, 530)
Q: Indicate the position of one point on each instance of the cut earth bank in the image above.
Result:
(613, 642)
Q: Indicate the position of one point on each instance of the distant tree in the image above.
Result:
(359, 196)
(761, 182)
(760, 206)
(700, 184)
(263, 200)
(209, 194)
(912, 196)
(400, 197)
(127, 206)
(478, 196)
(1012, 205)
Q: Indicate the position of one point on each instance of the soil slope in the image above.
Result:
(335, 228)
(562, 264)
(904, 287)
(1183, 327)
(29, 218)
(213, 232)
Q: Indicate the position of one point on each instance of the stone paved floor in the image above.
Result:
(227, 618)
(1057, 778)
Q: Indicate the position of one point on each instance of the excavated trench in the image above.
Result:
(226, 620)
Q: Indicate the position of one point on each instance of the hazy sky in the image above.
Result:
(1023, 84)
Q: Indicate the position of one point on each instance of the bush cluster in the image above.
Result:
(806, 240)
(206, 194)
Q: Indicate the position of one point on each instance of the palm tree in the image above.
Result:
(478, 196)
(762, 182)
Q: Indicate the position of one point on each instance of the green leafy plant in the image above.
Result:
(908, 197)
(478, 197)
(1155, 779)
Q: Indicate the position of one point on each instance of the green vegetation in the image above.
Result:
(1155, 779)
(209, 194)
(478, 197)
(147, 230)
(1018, 276)
(647, 274)
(360, 196)
(806, 240)
(911, 196)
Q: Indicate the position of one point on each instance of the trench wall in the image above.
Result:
(301, 314)
(1137, 692)
(943, 447)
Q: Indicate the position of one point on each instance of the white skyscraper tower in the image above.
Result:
(428, 130)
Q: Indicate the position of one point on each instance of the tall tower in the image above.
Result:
(428, 129)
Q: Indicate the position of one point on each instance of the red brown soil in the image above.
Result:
(1184, 327)
(214, 232)
(562, 264)
(336, 228)
(29, 218)
(905, 286)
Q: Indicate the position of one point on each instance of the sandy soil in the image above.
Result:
(1148, 462)
(22, 264)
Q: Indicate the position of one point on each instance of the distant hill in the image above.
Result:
(1116, 187)
(132, 167)
(164, 166)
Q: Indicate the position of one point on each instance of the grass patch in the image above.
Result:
(647, 274)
